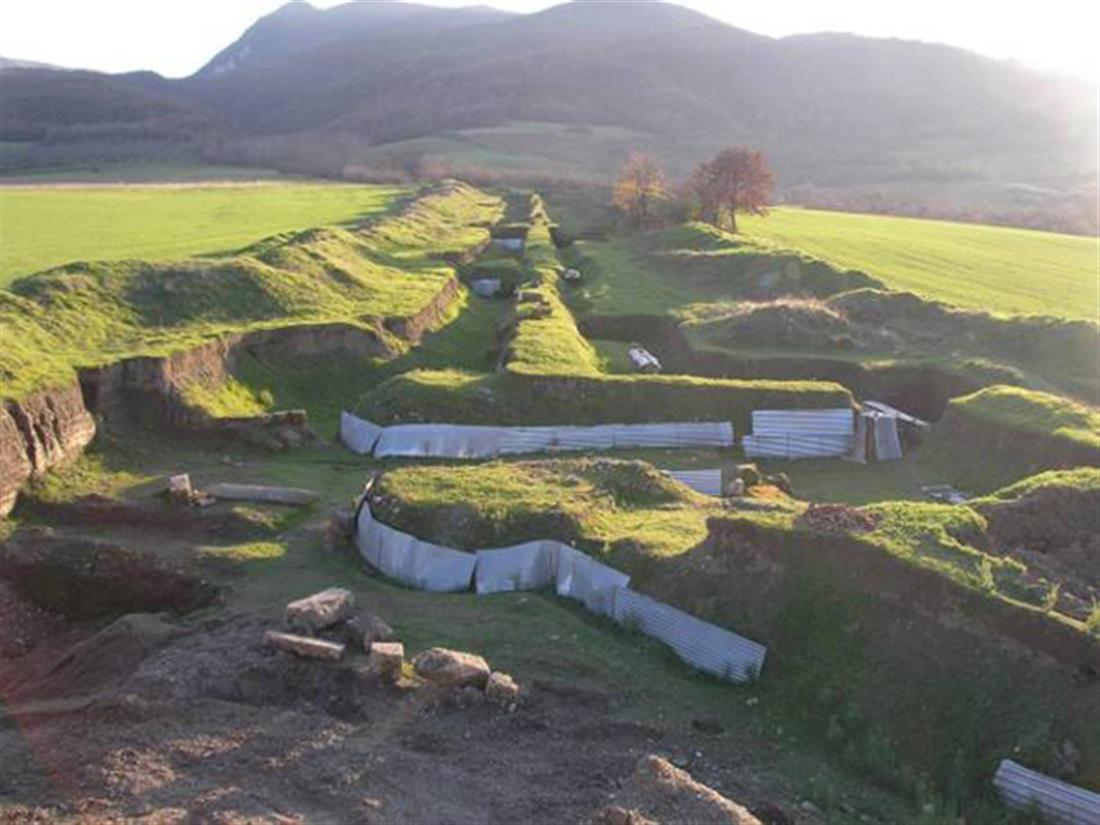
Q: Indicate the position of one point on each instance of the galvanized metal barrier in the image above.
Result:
(1058, 802)
(701, 644)
(707, 482)
(358, 435)
(527, 566)
(535, 564)
(588, 581)
(800, 433)
(472, 441)
(417, 563)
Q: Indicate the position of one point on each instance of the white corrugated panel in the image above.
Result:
(358, 435)
(796, 446)
(411, 561)
(1058, 802)
(586, 580)
(471, 441)
(800, 433)
(707, 482)
(703, 645)
(839, 422)
(527, 566)
(878, 406)
(887, 443)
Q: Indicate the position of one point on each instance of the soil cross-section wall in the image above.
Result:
(39, 432)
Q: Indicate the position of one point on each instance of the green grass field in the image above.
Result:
(997, 269)
(46, 226)
(98, 313)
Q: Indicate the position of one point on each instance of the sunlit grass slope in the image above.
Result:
(89, 314)
(997, 269)
(43, 227)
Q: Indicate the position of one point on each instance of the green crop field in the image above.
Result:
(46, 226)
(998, 269)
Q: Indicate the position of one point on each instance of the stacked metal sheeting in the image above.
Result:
(527, 566)
(707, 482)
(358, 435)
(586, 580)
(700, 644)
(471, 441)
(800, 433)
(1058, 802)
(417, 563)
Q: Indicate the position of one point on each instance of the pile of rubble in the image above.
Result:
(837, 518)
(329, 626)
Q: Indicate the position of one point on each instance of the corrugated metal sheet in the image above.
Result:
(703, 645)
(859, 445)
(707, 482)
(411, 561)
(878, 406)
(470, 441)
(586, 580)
(358, 435)
(796, 446)
(643, 359)
(800, 433)
(527, 566)
(485, 287)
(887, 443)
(838, 421)
(535, 564)
(1058, 802)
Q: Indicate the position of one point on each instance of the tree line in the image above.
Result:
(735, 180)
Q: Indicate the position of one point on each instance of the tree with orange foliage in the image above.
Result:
(641, 181)
(736, 179)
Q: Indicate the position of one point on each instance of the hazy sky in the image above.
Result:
(176, 37)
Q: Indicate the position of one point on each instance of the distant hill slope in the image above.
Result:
(15, 63)
(316, 88)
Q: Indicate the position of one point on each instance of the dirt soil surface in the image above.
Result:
(168, 720)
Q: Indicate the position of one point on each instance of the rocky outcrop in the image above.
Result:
(39, 432)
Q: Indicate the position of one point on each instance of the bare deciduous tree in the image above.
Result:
(736, 180)
(640, 182)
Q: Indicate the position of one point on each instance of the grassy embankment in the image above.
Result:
(48, 226)
(88, 314)
(742, 299)
(552, 375)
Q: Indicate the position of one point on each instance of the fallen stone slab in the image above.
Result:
(320, 610)
(304, 646)
(365, 629)
(501, 688)
(451, 668)
(294, 496)
(386, 659)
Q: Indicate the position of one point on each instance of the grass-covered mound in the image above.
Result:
(87, 314)
(598, 504)
(665, 271)
(754, 299)
(1064, 425)
(1056, 515)
(510, 398)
